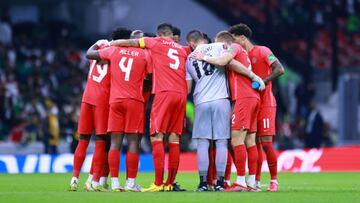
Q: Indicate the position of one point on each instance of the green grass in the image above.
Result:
(302, 187)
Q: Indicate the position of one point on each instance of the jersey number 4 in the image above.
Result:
(126, 68)
(101, 69)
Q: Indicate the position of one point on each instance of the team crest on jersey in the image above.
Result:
(253, 60)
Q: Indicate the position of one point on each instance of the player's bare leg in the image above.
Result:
(99, 161)
(114, 161)
(250, 142)
(238, 145)
(271, 158)
(132, 163)
(79, 157)
(158, 153)
(259, 163)
(173, 161)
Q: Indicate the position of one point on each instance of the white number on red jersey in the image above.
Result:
(266, 122)
(126, 69)
(101, 69)
(173, 54)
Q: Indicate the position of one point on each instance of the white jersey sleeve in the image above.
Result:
(211, 82)
(188, 69)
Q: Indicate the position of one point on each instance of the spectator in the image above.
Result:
(314, 128)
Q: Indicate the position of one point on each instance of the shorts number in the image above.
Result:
(101, 69)
(266, 122)
(233, 119)
(173, 54)
(126, 69)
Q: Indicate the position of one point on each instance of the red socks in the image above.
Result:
(158, 153)
(98, 159)
(271, 159)
(259, 162)
(212, 167)
(79, 156)
(114, 161)
(132, 165)
(228, 166)
(240, 159)
(173, 162)
(105, 169)
(252, 159)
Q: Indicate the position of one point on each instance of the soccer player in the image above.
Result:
(128, 68)
(244, 117)
(168, 110)
(212, 108)
(176, 34)
(267, 66)
(93, 116)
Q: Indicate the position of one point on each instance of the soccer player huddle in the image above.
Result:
(235, 108)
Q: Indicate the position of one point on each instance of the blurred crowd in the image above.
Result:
(41, 83)
(300, 29)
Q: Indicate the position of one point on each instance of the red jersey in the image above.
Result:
(97, 90)
(168, 59)
(240, 85)
(261, 59)
(128, 68)
(187, 50)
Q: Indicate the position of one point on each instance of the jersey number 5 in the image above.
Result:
(173, 54)
(101, 69)
(126, 69)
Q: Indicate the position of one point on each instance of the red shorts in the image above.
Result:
(245, 114)
(168, 113)
(266, 121)
(93, 117)
(126, 116)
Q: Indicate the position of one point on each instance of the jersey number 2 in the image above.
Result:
(173, 54)
(126, 69)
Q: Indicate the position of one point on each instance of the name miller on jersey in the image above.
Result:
(129, 53)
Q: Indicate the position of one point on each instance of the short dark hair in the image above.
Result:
(149, 34)
(194, 36)
(176, 31)
(241, 29)
(121, 33)
(165, 29)
(225, 36)
(207, 37)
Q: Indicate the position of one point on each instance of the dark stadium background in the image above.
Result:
(43, 69)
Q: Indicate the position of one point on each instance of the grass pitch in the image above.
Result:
(301, 187)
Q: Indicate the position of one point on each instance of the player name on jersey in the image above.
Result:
(129, 52)
(173, 44)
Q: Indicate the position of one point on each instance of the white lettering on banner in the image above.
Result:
(61, 161)
(30, 163)
(286, 160)
(10, 163)
(44, 163)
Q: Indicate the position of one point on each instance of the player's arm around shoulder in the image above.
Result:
(276, 66)
(221, 60)
(93, 53)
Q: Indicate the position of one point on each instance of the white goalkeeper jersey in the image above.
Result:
(211, 82)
